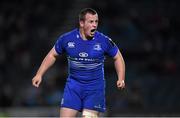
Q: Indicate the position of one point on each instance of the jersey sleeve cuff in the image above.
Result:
(114, 52)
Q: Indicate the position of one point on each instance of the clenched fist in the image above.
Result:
(36, 81)
(120, 84)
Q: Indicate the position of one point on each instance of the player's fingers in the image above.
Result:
(121, 85)
(118, 83)
(33, 81)
(121, 88)
(36, 83)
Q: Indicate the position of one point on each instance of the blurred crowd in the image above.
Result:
(146, 32)
(27, 32)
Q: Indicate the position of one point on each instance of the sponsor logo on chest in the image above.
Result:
(83, 54)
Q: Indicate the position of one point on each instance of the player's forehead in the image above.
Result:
(90, 16)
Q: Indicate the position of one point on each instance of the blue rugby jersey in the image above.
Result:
(85, 57)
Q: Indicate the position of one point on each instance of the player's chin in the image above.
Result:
(91, 35)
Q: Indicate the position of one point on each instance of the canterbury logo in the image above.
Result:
(83, 54)
(71, 44)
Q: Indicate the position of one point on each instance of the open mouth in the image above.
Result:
(93, 30)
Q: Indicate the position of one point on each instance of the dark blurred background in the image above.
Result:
(146, 31)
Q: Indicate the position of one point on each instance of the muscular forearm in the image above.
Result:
(120, 66)
(48, 61)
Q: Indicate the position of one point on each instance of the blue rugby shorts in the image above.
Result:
(77, 96)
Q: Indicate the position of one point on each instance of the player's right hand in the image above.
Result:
(36, 81)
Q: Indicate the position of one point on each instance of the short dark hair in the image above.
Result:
(85, 11)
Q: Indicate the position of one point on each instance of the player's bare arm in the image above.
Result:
(120, 69)
(45, 65)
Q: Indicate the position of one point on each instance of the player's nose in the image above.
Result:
(94, 25)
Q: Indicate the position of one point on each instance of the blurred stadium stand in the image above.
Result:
(146, 31)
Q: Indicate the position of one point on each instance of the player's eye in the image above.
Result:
(91, 21)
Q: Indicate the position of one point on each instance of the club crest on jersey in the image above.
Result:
(97, 47)
(71, 44)
(83, 54)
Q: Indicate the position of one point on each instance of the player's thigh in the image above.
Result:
(71, 98)
(95, 100)
(87, 113)
(67, 112)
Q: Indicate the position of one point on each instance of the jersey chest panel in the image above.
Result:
(85, 51)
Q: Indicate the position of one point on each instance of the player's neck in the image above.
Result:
(82, 34)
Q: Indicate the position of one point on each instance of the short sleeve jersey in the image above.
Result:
(85, 57)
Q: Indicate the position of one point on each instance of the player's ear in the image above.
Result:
(81, 23)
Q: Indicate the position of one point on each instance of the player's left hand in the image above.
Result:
(120, 84)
